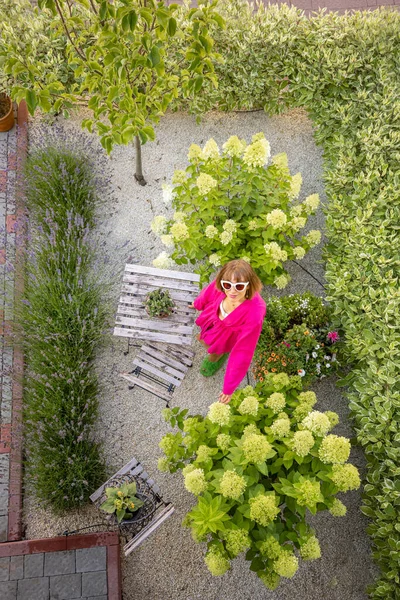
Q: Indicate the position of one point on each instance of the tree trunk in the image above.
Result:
(138, 159)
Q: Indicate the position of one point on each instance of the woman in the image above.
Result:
(232, 313)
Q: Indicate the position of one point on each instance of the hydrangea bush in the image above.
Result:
(236, 203)
(256, 466)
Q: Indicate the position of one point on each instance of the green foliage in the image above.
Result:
(62, 318)
(257, 465)
(232, 206)
(344, 71)
(116, 53)
(122, 501)
(159, 303)
(296, 339)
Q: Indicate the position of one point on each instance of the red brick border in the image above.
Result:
(15, 486)
(76, 542)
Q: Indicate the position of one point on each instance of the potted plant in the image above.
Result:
(6, 112)
(159, 303)
(124, 502)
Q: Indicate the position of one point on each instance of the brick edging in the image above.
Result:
(15, 481)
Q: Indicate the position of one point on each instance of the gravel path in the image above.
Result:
(169, 565)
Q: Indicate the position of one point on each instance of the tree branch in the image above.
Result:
(79, 53)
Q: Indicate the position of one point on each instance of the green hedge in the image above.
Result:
(63, 318)
(345, 71)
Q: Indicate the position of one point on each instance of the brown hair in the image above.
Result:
(241, 271)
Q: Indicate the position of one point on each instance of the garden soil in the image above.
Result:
(169, 565)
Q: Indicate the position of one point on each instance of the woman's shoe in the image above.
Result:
(209, 368)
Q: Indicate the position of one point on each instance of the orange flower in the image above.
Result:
(273, 370)
(269, 359)
(261, 379)
(284, 364)
(306, 333)
(272, 354)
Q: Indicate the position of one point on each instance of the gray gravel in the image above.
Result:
(169, 565)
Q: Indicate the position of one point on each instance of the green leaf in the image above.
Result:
(31, 101)
(129, 21)
(155, 56)
(171, 26)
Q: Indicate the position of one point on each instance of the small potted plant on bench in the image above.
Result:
(124, 502)
(159, 303)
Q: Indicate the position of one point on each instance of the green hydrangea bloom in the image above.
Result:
(270, 579)
(195, 153)
(179, 216)
(276, 218)
(302, 442)
(196, 537)
(188, 469)
(187, 441)
(195, 482)
(233, 146)
(308, 397)
(263, 509)
(334, 449)
(216, 562)
(167, 414)
(333, 417)
(255, 447)
(295, 186)
(301, 411)
(317, 422)
(211, 149)
(203, 453)
(248, 390)
(276, 402)
(311, 549)
(299, 251)
(309, 492)
(286, 565)
(271, 548)
(249, 406)
(179, 177)
(281, 160)
(179, 231)
(237, 540)
(159, 224)
(345, 477)
(224, 441)
(232, 485)
(219, 413)
(251, 429)
(338, 509)
(230, 225)
(256, 154)
(311, 203)
(189, 424)
(280, 380)
(313, 237)
(163, 465)
(168, 444)
(280, 428)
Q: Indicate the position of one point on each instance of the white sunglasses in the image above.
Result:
(239, 287)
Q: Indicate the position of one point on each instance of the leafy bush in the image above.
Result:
(159, 303)
(296, 339)
(232, 206)
(344, 71)
(62, 317)
(257, 465)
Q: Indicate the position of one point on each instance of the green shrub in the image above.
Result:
(257, 465)
(231, 205)
(62, 316)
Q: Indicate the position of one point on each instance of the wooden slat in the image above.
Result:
(161, 365)
(140, 312)
(147, 386)
(143, 290)
(160, 374)
(155, 325)
(161, 282)
(152, 336)
(162, 272)
(163, 356)
(128, 468)
(138, 302)
(181, 353)
(148, 529)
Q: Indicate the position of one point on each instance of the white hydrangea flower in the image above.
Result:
(168, 241)
(295, 186)
(179, 216)
(276, 218)
(311, 203)
(159, 224)
(298, 223)
(233, 146)
(313, 237)
(163, 261)
(257, 154)
(299, 252)
(275, 251)
(211, 149)
(167, 193)
(252, 225)
(225, 237)
(211, 231)
(230, 225)
(215, 260)
(281, 281)
(205, 183)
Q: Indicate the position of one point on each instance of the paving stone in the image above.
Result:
(65, 587)
(91, 559)
(33, 565)
(16, 567)
(59, 563)
(4, 568)
(33, 589)
(4, 465)
(3, 528)
(96, 598)
(8, 590)
(94, 584)
(4, 489)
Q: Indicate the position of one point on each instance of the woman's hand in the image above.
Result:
(191, 305)
(224, 398)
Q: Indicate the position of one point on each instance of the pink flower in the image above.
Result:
(333, 336)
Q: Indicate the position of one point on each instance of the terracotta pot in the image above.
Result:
(7, 122)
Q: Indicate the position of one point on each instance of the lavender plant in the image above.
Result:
(63, 317)
(257, 466)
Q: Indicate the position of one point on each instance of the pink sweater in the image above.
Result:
(238, 333)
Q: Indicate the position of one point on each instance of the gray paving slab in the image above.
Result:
(8, 590)
(3, 528)
(59, 563)
(91, 559)
(16, 567)
(65, 587)
(94, 584)
(33, 565)
(5, 568)
(33, 589)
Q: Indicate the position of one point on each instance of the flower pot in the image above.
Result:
(6, 113)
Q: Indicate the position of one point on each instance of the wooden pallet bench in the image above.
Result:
(160, 368)
(134, 470)
(132, 320)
